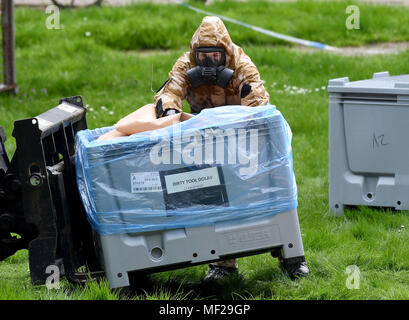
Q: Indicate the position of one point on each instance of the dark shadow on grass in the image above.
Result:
(235, 287)
(267, 274)
(359, 212)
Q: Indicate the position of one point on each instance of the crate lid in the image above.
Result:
(381, 82)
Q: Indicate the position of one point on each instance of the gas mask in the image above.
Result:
(211, 68)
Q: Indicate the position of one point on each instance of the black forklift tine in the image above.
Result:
(50, 217)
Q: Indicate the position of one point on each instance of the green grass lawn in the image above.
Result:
(113, 73)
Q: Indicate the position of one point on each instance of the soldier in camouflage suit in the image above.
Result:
(245, 87)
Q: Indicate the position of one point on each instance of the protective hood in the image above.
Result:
(239, 84)
(213, 33)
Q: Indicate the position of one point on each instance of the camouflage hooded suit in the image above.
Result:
(245, 88)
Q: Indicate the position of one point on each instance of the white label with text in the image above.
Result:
(145, 182)
(190, 180)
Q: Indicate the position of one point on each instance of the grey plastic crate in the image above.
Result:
(165, 242)
(369, 142)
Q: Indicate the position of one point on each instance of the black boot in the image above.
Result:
(218, 272)
(295, 267)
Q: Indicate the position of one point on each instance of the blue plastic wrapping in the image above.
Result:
(224, 164)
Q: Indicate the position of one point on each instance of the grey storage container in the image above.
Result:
(369, 142)
(152, 216)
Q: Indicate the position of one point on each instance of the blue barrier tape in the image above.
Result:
(277, 35)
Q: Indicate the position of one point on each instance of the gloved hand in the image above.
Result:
(160, 113)
(169, 112)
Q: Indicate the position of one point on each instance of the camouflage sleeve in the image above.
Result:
(172, 93)
(252, 91)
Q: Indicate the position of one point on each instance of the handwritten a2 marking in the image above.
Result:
(378, 141)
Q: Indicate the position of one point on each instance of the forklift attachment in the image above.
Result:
(40, 208)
